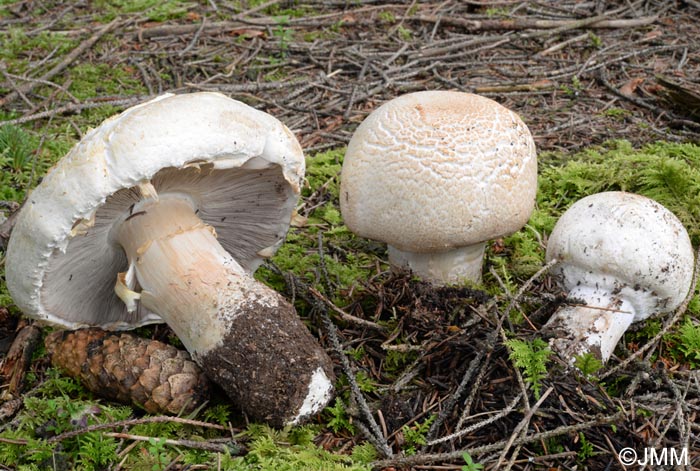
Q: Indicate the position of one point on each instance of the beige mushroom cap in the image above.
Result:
(435, 170)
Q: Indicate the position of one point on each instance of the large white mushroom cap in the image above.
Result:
(433, 171)
(240, 167)
(626, 245)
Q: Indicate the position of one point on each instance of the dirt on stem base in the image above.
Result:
(267, 361)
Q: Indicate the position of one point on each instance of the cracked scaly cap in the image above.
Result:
(435, 170)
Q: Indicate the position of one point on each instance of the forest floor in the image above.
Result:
(611, 94)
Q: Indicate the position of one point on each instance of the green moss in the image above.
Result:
(91, 80)
(154, 10)
(18, 48)
(61, 405)
(323, 170)
(344, 262)
(666, 172)
(292, 450)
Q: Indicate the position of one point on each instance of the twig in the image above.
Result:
(508, 409)
(181, 30)
(197, 445)
(528, 283)
(58, 68)
(247, 87)
(322, 264)
(421, 459)
(344, 315)
(76, 108)
(373, 431)
(132, 422)
(466, 381)
(517, 87)
(522, 425)
(562, 45)
(14, 87)
(476, 384)
(195, 38)
(518, 24)
(602, 79)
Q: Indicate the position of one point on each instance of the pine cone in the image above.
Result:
(119, 366)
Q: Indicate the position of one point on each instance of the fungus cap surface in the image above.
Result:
(241, 168)
(434, 170)
(625, 244)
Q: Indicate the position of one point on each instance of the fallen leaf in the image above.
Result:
(652, 35)
(247, 32)
(631, 86)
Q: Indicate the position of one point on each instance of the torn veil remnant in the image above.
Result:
(162, 213)
(623, 257)
(435, 175)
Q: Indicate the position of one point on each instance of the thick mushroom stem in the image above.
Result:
(595, 326)
(448, 267)
(244, 335)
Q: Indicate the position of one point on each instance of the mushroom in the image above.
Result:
(163, 213)
(436, 174)
(621, 257)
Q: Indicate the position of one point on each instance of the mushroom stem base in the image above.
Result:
(441, 268)
(271, 366)
(594, 327)
(244, 335)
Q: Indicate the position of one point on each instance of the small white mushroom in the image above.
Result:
(162, 213)
(621, 257)
(435, 175)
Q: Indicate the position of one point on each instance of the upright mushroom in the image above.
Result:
(621, 257)
(162, 213)
(436, 174)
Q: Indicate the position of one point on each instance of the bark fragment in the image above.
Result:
(14, 366)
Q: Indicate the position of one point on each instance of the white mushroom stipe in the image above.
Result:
(595, 325)
(185, 275)
(163, 213)
(435, 175)
(622, 257)
(462, 263)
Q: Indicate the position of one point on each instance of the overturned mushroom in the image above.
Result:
(435, 175)
(162, 213)
(623, 257)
